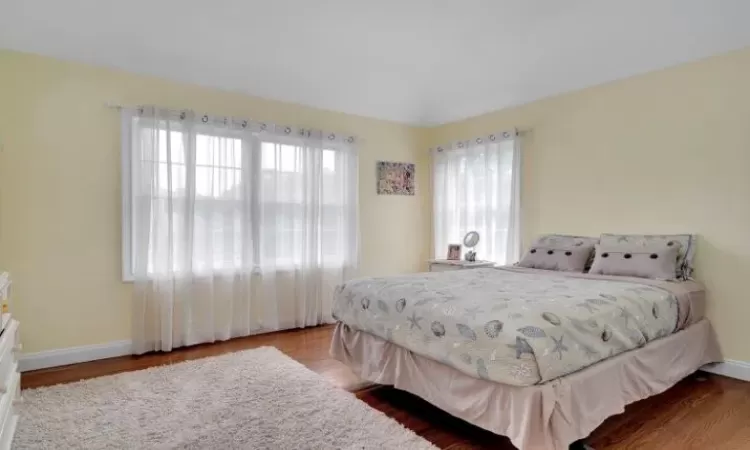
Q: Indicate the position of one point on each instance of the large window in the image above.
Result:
(206, 198)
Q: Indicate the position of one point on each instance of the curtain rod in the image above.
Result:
(490, 137)
(358, 139)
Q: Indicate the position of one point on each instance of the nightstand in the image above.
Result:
(443, 265)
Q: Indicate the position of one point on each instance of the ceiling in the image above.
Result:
(422, 62)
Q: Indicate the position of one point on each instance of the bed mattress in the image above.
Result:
(517, 326)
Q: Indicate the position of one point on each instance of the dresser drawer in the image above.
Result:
(9, 348)
(8, 413)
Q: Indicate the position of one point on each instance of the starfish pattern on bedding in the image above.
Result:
(520, 372)
(414, 321)
(559, 346)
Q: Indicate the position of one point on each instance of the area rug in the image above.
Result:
(255, 399)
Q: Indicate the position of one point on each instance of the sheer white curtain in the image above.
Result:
(236, 227)
(476, 187)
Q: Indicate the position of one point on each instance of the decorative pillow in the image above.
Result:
(684, 268)
(657, 261)
(565, 240)
(557, 257)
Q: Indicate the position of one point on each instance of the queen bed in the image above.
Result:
(540, 356)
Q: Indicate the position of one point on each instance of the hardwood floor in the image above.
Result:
(702, 412)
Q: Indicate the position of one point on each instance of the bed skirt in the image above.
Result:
(547, 416)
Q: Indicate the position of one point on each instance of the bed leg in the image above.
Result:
(580, 445)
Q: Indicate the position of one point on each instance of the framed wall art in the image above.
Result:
(395, 178)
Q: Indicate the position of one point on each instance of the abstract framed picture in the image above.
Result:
(395, 178)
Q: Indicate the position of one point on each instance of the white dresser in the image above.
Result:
(442, 265)
(10, 378)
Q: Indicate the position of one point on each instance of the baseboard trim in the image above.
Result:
(73, 355)
(730, 368)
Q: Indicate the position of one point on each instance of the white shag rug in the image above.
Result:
(255, 399)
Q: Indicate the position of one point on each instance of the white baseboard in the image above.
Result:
(730, 368)
(73, 355)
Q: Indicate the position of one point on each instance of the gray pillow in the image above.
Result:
(557, 257)
(684, 268)
(566, 240)
(657, 261)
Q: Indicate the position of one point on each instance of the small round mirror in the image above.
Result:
(471, 239)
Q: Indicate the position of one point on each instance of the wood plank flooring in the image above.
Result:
(702, 412)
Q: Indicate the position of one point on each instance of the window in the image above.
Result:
(476, 189)
(207, 199)
(290, 178)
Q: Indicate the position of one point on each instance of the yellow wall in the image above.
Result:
(60, 190)
(665, 152)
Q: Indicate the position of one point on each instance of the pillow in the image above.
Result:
(684, 268)
(566, 240)
(657, 261)
(557, 257)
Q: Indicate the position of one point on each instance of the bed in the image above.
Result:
(540, 356)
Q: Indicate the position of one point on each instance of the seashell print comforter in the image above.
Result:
(509, 326)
